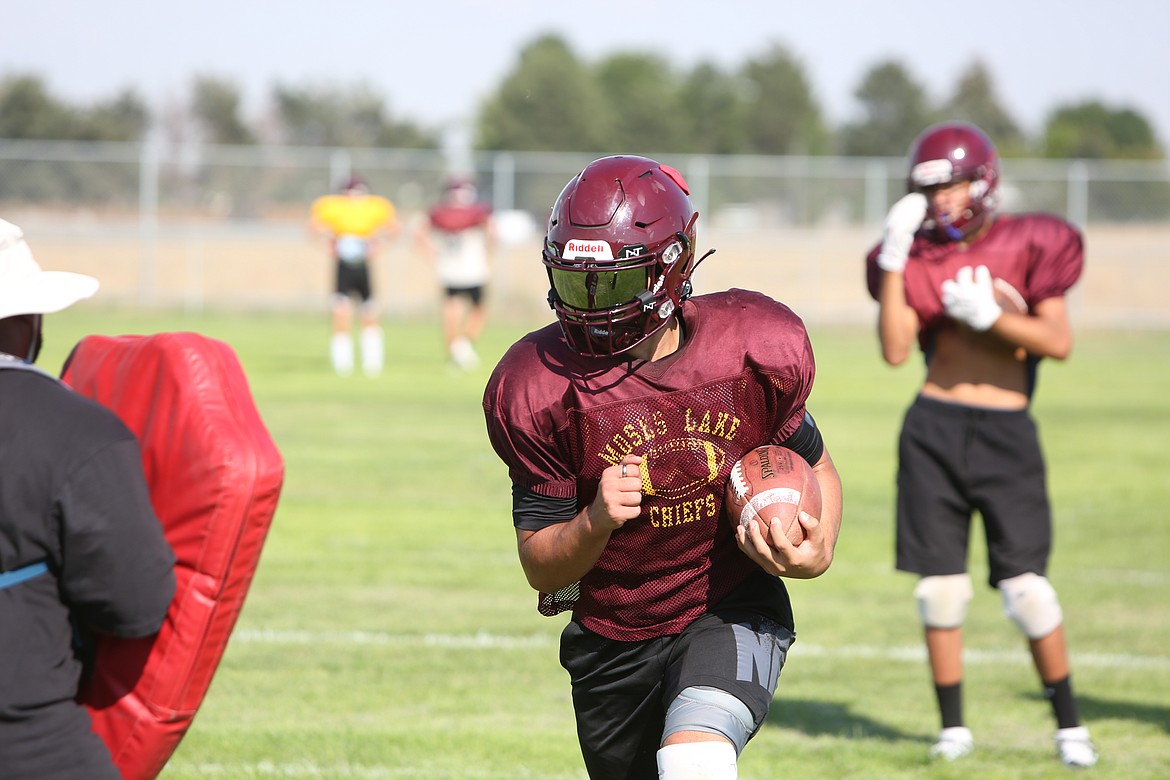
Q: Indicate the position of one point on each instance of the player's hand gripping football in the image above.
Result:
(773, 552)
(619, 495)
(970, 298)
(902, 223)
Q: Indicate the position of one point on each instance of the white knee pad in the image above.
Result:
(943, 599)
(697, 761)
(1030, 601)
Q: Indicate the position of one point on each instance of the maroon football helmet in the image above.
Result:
(950, 152)
(619, 253)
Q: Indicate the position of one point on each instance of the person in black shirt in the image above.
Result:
(81, 550)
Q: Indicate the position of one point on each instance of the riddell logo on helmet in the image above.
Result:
(576, 248)
(932, 172)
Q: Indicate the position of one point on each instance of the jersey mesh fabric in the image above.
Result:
(741, 380)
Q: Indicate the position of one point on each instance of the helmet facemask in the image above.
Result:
(608, 305)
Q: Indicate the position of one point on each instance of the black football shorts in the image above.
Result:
(955, 460)
(353, 279)
(621, 690)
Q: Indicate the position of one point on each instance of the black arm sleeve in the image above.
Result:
(806, 440)
(532, 511)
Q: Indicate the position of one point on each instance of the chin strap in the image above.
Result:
(701, 259)
(687, 287)
(685, 291)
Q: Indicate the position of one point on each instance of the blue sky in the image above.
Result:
(433, 61)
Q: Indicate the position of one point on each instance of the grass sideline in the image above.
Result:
(389, 632)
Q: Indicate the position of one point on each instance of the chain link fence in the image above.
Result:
(225, 227)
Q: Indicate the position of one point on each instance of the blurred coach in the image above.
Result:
(80, 547)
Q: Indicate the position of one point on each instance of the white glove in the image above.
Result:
(902, 223)
(970, 297)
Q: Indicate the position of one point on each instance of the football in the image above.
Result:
(1009, 299)
(772, 482)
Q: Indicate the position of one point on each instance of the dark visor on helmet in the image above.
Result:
(588, 286)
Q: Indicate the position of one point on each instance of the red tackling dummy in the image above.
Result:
(215, 477)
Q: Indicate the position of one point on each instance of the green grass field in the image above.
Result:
(389, 632)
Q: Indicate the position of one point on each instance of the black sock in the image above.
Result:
(950, 704)
(1064, 705)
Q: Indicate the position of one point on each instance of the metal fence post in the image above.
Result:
(340, 167)
(876, 199)
(148, 173)
(503, 181)
(1078, 193)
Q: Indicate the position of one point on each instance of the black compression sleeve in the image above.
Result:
(806, 440)
(532, 511)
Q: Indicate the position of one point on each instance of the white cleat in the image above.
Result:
(1075, 748)
(953, 743)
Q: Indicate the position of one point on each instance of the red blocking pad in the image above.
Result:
(215, 477)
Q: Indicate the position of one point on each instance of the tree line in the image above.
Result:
(552, 100)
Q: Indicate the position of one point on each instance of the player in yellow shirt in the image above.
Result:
(353, 222)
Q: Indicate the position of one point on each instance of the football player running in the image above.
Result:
(983, 295)
(619, 425)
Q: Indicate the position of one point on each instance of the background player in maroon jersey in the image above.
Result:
(984, 293)
(619, 426)
(458, 236)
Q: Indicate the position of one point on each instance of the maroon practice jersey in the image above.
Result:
(1039, 255)
(557, 419)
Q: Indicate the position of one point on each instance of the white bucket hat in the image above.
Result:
(25, 288)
